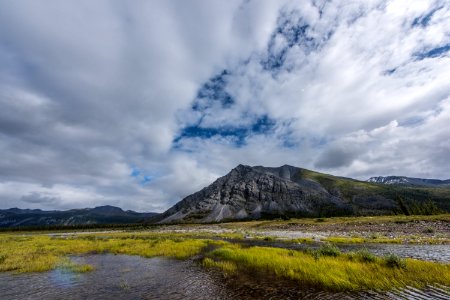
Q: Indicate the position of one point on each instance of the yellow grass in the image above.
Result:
(42, 253)
(343, 272)
(356, 271)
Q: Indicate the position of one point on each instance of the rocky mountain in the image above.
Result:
(402, 180)
(15, 217)
(260, 192)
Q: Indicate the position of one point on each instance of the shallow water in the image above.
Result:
(132, 277)
(439, 253)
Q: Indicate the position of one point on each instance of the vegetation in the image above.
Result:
(411, 200)
(328, 250)
(362, 255)
(39, 253)
(337, 272)
(78, 227)
(400, 219)
(325, 267)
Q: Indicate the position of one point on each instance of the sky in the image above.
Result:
(138, 104)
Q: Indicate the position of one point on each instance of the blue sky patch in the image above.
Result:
(138, 175)
(435, 52)
(261, 125)
(135, 172)
(213, 91)
(294, 32)
(424, 20)
(146, 179)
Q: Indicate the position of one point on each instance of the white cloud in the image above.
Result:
(90, 90)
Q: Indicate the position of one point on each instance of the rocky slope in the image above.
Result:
(260, 192)
(15, 217)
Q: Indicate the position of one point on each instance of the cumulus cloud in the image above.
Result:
(183, 91)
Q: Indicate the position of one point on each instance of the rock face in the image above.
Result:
(254, 192)
(260, 192)
(402, 180)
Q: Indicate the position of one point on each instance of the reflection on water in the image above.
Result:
(116, 277)
(132, 277)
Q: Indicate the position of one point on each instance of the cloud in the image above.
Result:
(139, 104)
(36, 198)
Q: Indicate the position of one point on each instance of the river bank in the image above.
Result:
(303, 252)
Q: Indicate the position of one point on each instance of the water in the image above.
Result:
(132, 277)
(438, 253)
(116, 277)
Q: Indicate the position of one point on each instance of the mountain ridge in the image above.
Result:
(257, 192)
(106, 214)
(404, 180)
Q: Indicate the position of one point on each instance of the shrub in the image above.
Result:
(365, 255)
(328, 250)
(393, 261)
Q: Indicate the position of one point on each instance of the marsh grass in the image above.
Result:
(393, 261)
(325, 267)
(41, 253)
(344, 240)
(67, 265)
(227, 267)
(360, 220)
(328, 250)
(336, 273)
(363, 255)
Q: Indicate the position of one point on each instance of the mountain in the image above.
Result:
(402, 180)
(261, 192)
(15, 217)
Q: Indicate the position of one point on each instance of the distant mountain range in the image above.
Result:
(402, 180)
(15, 217)
(261, 192)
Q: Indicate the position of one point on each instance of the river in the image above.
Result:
(133, 277)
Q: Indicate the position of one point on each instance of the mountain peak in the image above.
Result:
(263, 192)
(107, 209)
(255, 192)
(403, 180)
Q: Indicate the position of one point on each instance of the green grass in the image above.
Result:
(363, 255)
(40, 253)
(344, 240)
(343, 272)
(325, 267)
(68, 265)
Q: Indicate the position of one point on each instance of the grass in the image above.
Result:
(363, 255)
(387, 240)
(359, 220)
(40, 253)
(328, 250)
(325, 267)
(343, 272)
(68, 265)
(344, 240)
